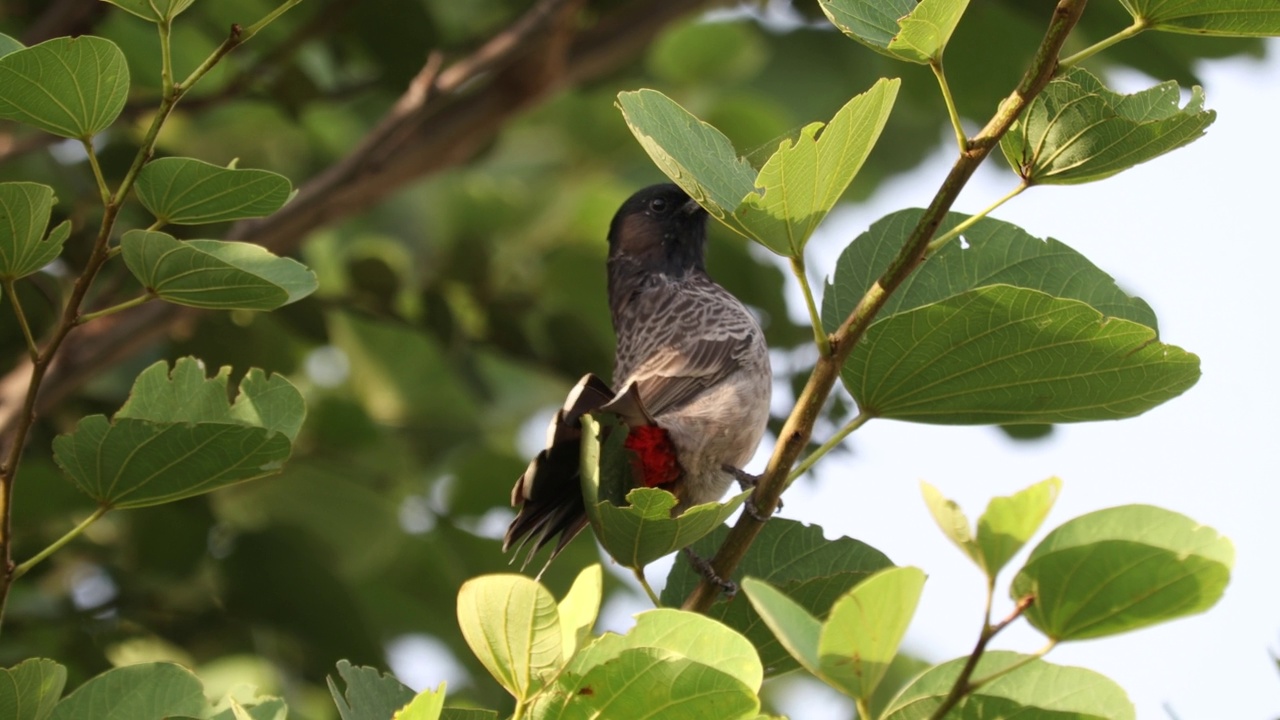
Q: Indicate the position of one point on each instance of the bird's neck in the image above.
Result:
(630, 282)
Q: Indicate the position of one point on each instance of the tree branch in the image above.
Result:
(437, 124)
(799, 426)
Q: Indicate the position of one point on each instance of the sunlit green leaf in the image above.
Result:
(426, 705)
(797, 630)
(214, 274)
(802, 180)
(158, 450)
(813, 571)
(579, 608)
(645, 530)
(673, 663)
(1037, 689)
(1008, 355)
(512, 624)
(1009, 522)
(781, 205)
(1234, 18)
(24, 214)
(951, 519)
(185, 191)
(1078, 131)
(912, 30)
(30, 689)
(1121, 569)
(153, 10)
(150, 690)
(71, 87)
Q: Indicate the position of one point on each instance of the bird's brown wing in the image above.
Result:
(675, 375)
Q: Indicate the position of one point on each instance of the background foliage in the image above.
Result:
(459, 295)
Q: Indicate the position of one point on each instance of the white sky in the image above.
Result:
(1194, 234)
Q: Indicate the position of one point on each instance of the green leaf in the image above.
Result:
(185, 191)
(904, 29)
(1009, 522)
(644, 530)
(1010, 355)
(214, 274)
(781, 205)
(801, 181)
(1232, 18)
(1121, 569)
(24, 214)
(30, 689)
(579, 609)
(426, 705)
(797, 630)
(695, 155)
(153, 10)
(792, 557)
(8, 45)
(150, 691)
(158, 449)
(512, 625)
(261, 709)
(369, 694)
(865, 627)
(1078, 131)
(671, 664)
(952, 520)
(71, 87)
(1036, 690)
(997, 253)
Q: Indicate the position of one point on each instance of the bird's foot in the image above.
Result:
(704, 568)
(747, 481)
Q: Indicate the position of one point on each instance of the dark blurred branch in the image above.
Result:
(441, 121)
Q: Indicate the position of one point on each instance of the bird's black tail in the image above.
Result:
(549, 492)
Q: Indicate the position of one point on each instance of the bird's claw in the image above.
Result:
(704, 568)
(747, 481)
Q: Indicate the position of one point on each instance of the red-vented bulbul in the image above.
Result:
(691, 374)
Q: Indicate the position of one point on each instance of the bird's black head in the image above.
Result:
(659, 230)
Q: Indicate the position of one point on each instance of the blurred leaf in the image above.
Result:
(70, 87)
(157, 449)
(24, 214)
(579, 608)
(186, 191)
(214, 274)
(369, 694)
(30, 689)
(151, 691)
(952, 520)
(679, 663)
(1145, 565)
(992, 252)
(912, 30)
(1078, 131)
(708, 52)
(153, 10)
(1035, 690)
(1237, 18)
(1009, 522)
(512, 625)
(1001, 354)
(426, 705)
(795, 559)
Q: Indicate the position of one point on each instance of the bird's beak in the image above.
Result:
(691, 207)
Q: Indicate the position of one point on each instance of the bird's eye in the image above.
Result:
(658, 205)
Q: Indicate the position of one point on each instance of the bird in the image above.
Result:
(691, 376)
